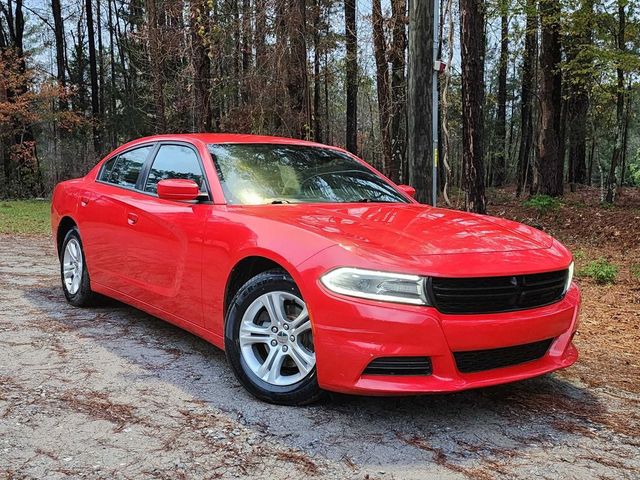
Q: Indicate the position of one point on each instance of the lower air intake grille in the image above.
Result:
(479, 360)
(399, 366)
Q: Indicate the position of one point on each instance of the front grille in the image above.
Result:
(479, 360)
(399, 366)
(497, 294)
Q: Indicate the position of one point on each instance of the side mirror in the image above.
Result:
(178, 189)
(408, 190)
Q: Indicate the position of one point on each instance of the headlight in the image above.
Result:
(374, 285)
(569, 278)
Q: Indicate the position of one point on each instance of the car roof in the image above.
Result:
(233, 138)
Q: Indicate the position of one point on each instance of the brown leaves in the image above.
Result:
(24, 103)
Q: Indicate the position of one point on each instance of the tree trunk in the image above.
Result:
(199, 14)
(247, 34)
(112, 64)
(351, 36)
(77, 77)
(592, 153)
(234, 79)
(127, 74)
(526, 95)
(419, 91)
(298, 81)
(550, 159)
(260, 33)
(156, 61)
(22, 150)
(579, 94)
(327, 112)
(625, 139)
(472, 52)
(100, 59)
(500, 158)
(318, 135)
(216, 100)
(60, 57)
(382, 83)
(4, 154)
(618, 146)
(562, 142)
(93, 74)
(577, 123)
(398, 169)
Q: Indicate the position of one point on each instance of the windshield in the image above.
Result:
(254, 174)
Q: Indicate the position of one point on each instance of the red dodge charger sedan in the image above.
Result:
(312, 270)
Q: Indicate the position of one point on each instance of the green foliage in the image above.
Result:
(542, 203)
(635, 271)
(579, 254)
(600, 270)
(25, 217)
(634, 169)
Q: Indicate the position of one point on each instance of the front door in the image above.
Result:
(165, 238)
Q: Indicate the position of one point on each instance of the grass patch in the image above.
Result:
(635, 271)
(30, 217)
(542, 203)
(601, 270)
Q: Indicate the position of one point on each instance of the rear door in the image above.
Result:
(164, 238)
(104, 224)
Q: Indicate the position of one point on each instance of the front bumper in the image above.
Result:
(349, 333)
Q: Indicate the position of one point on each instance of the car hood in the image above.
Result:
(407, 229)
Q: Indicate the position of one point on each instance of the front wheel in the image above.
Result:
(269, 341)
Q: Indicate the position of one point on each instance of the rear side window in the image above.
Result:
(174, 161)
(106, 169)
(127, 167)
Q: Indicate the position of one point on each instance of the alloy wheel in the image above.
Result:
(72, 266)
(276, 340)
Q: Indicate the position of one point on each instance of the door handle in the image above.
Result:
(132, 218)
(84, 201)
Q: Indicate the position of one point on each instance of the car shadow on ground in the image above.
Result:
(454, 430)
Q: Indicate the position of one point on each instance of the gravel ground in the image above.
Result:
(111, 392)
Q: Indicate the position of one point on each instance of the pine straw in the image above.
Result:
(581, 220)
(609, 334)
(222, 435)
(98, 405)
(578, 413)
(304, 463)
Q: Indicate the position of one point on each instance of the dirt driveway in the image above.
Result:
(114, 393)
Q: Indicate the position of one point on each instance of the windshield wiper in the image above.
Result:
(279, 202)
(371, 200)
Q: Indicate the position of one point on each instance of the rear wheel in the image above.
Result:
(73, 271)
(269, 341)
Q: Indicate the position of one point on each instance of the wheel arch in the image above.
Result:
(66, 223)
(247, 268)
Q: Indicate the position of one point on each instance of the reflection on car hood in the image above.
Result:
(407, 229)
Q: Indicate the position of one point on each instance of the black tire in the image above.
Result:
(303, 392)
(84, 297)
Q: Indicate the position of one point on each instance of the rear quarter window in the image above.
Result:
(105, 173)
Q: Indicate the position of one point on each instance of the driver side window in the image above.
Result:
(172, 162)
